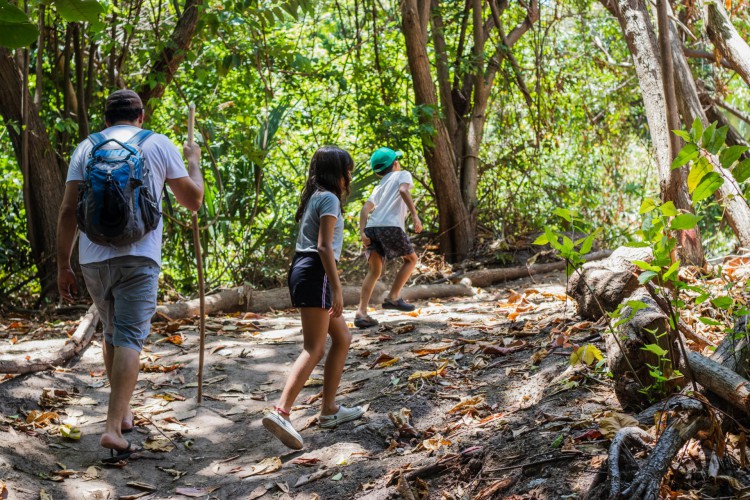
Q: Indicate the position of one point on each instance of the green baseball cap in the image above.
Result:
(384, 158)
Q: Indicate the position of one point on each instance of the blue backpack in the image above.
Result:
(115, 207)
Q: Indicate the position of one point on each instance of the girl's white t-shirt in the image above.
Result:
(164, 162)
(390, 209)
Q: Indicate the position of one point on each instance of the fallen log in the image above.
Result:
(599, 287)
(80, 339)
(626, 357)
(245, 299)
(487, 277)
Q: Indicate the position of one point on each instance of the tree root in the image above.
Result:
(635, 434)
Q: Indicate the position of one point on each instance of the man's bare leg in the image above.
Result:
(109, 355)
(125, 364)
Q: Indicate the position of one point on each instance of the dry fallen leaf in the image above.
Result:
(3, 491)
(383, 361)
(306, 461)
(265, 466)
(609, 425)
(158, 444)
(435, 442)
(195, 492)
(467, 405)
(309, 478)
(429, 374)
(430, 350)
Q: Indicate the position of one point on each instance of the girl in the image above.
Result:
(315, 288)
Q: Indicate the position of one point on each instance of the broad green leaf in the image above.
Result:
(688, 153)
(697, 129)
(708, 135)
(79, 10)
(668, 209)
(709, 321)
(742, 171)
(699, 170)
(656, 349)
(707, 187)
(588, 243)
(717, 141)
(722, 302)
(16, 29)
(646, 266)
(564, 213)
(683, 134)
(541, 240)
(646, 276)
(647, 205)
(684, 221)
(672, 269)
(730, 155)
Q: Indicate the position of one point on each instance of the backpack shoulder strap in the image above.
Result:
(97, 138)
(140, 137)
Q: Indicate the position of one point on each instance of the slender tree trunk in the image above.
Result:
(38, 88)
(83, 119)
(641, 40)
(725, 38)
(46, 179)
(456, 235)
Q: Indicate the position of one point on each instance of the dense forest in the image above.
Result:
(538, 133)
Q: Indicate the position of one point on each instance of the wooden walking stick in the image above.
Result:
(199, 260)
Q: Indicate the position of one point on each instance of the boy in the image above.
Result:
(382, 232)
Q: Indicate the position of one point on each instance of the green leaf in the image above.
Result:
(707, 187)
(683, 134)
(730, 155)
(647, 205)
(709, 321)
(646, 266)
(717, 141)
(722, 302)
(697, 129)
(79, 10)
(672, 269)
(708, 135)
(688, 153)
(699, 170)
(588, 243)
(646, 276)
(541, 240)
(564, 213)
(655, 349)
(16, 29)
(742, 171)
(668, 209)
(684, 221)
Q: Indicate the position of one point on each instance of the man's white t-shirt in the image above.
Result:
(164, 162)
(390, 209)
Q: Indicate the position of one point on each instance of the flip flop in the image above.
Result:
(365, 322)
(119, 455)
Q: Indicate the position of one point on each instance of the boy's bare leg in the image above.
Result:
(375, 267)
(410, 262)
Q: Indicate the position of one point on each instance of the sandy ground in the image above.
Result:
(474, 375)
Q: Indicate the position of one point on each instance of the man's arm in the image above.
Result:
(404, 190)
(363, 215)
(66, 236)
(189, 190)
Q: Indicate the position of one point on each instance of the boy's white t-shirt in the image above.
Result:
(163, 160)
(390, 209)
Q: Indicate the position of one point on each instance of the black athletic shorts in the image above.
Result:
(308, 283)
(389, 242)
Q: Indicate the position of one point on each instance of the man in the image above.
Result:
(123, 280)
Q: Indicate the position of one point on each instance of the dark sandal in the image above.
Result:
(119, 455)
(365, 322)
(399, 304)
(129, 429)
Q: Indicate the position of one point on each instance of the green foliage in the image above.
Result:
(16, 30)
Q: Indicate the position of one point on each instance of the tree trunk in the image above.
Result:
(725, 37)
(737, 210)
(456, 231)
(46, 178)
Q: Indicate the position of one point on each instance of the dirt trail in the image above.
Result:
(472, 373)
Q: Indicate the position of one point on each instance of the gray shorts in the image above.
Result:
(124, 292)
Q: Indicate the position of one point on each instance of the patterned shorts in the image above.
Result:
(389, 242)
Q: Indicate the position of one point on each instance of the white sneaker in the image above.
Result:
(343, 415)
(283, 430)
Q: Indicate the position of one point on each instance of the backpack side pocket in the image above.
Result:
(149, 210)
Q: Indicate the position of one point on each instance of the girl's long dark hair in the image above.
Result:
(329, 165)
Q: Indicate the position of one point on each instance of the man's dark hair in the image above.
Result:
(123, 106)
